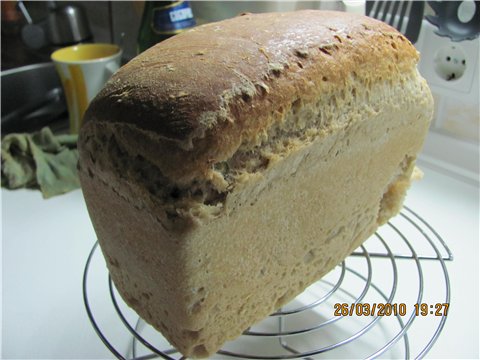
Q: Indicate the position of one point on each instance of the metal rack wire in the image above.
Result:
(402, 263)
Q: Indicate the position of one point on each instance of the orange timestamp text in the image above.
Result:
(389, 309)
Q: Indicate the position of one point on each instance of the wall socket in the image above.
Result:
(452, 72)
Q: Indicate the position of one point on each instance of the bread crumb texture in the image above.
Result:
(229, 167)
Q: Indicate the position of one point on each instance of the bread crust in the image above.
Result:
(200, 95)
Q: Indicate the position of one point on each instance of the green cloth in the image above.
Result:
(40, 160)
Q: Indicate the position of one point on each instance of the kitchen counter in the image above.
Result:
(45, 245)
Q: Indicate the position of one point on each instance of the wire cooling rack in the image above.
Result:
(400, 270)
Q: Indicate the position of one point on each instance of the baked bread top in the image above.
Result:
(202, 95)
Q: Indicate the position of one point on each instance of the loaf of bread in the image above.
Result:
(229, 167)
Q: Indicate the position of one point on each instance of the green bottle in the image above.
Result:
(163, 19)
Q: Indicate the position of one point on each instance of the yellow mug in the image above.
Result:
(83, 70)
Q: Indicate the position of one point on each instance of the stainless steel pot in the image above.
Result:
(67, 24)
(64, 25)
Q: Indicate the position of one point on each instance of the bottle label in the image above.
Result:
(173, 18)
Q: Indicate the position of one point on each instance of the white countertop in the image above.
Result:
(45, 245)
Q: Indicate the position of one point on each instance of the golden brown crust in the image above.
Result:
(201, 94)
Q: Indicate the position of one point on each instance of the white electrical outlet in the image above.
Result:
(452, 72)
(450, 62)
(436, 51)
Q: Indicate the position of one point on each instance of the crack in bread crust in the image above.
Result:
(204, 198)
